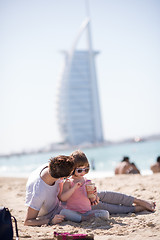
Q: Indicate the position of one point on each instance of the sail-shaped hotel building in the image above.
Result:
(79, 116)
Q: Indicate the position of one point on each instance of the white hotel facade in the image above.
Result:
(79, 116)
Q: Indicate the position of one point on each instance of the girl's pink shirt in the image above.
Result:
(79, 201)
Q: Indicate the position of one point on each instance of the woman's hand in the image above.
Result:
(57, 219)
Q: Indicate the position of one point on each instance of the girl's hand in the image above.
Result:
(96, 201)
(77, 185)
(95, 191)
(57, 219)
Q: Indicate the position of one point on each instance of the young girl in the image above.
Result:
(78, 206)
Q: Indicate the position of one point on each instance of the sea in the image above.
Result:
(103, 160)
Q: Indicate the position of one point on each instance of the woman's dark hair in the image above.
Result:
(61, 166)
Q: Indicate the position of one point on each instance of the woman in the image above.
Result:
(43, 189)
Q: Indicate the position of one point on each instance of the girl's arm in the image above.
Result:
(68, 190)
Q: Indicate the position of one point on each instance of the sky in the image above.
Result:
(32, 35)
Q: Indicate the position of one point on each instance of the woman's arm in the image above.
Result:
(31, 218)
(68, 190)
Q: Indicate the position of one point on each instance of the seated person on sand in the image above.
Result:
(156, 167)
(77, 203)
(42, 191)
(126, 167)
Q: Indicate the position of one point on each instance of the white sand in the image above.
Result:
(141, 226)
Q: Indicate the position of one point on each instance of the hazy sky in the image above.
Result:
(32, 35)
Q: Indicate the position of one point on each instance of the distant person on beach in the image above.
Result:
(156, 166)
(126, 167)
(43, 189)
(93, 164)
(115, 202)
(78, 204)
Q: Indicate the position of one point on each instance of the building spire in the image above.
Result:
(87, 8)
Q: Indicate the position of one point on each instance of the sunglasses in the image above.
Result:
(80, 170)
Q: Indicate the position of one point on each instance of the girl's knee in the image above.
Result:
(71, 215)
(62, 212)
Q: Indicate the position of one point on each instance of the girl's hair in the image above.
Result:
(61, 166)
(80, 159)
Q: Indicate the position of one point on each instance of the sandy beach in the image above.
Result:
(144, 225)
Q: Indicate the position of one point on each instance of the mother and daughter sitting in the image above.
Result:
(47, 191)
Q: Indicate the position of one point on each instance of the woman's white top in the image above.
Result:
(41, 196)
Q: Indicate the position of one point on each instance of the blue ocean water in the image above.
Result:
(105, 159)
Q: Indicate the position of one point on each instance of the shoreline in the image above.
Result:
(93, 174)
(142, 226)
